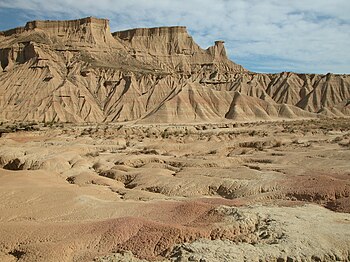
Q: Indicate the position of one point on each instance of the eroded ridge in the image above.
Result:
(78, 71)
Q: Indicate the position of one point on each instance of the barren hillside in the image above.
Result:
(77, 71)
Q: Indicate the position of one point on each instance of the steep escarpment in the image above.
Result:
(77, 71)
(39, 39)
(89, 30)
(174, 48)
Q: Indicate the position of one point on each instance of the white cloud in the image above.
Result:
(263, 35)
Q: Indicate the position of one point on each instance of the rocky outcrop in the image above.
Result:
(91, 30)
(18, 53)
(77, 71)
(173, 48)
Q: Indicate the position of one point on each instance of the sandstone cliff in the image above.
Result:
(78, 71)
(173, 48)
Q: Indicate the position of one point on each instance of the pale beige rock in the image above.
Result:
(77, 71)
(217, 191)
(296, 240)
(211, 162)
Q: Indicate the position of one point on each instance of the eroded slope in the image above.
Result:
(206, 191)
(77, 71)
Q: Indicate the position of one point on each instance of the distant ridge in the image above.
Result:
(78, 71)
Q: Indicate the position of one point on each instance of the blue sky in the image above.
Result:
(310, 36)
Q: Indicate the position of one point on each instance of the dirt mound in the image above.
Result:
(175, 192)
(285, 243)
(332, 191)
(248, 108)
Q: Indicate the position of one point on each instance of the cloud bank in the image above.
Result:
(309, 36)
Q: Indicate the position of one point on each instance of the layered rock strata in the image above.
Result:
(77, 71)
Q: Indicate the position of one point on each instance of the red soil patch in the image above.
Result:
(331, 191)
(146, 238)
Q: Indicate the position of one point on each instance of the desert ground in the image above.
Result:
(233, 191)
(190, 157)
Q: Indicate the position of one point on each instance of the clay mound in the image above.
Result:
(340, 205)
(245, 108)
(327, 112)
(337, 111)
(144, 238)
(193, 103)
(76, 192)
(304, 244)
(331, 191)
(287, 89)
(329, 91)
(252, 85)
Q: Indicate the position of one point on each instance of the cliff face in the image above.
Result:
(173, 48)
(91, 30)
(44, 39)
(77, 71)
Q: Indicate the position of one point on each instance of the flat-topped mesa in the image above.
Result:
(20, 44)
(57, 25)
(154, 31)
(90, 29)
(13, 31)
(173, 47)
(158, 40)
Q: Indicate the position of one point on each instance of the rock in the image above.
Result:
(77, 71)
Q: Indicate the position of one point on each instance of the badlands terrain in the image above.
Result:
(141, 146)
(206, 192)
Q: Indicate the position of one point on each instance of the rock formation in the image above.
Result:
(77, 71)
(261, 191)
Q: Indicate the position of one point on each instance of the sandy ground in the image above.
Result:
(269, 191)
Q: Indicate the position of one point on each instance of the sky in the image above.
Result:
(306, 36)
